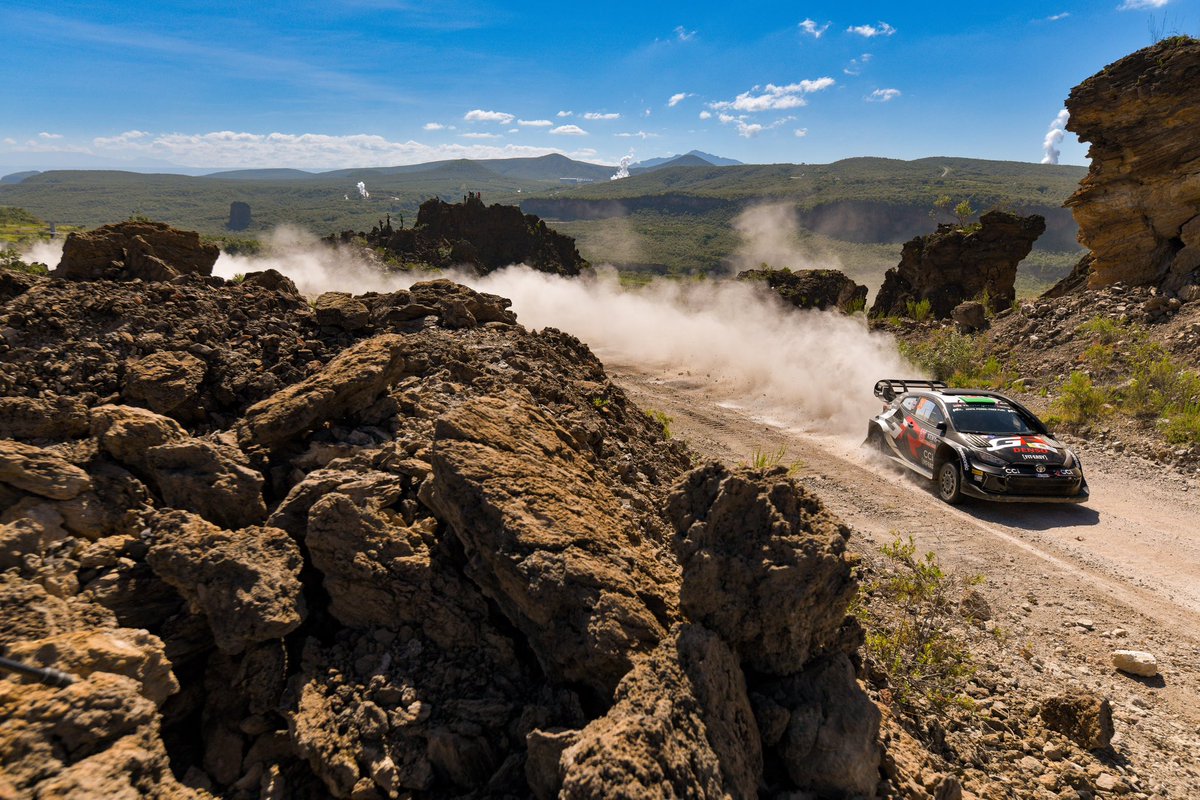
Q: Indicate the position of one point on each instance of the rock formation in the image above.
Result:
(471, 233)
(150, 251)
(239, 216)
(956, 264)
(1138, 209)
(812, 288)
(393, 546)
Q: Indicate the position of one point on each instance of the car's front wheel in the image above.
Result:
(949, 482)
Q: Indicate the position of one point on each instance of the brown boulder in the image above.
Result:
(764, 564)
(271, 279)
(37, 471)
(352, 381)
(812, 288)
(245, 583)
(164, 381)
(126, 433)
(1138, 207)
(1081, 716)
(207, 479)
(42, 418)
(548, 541)
(956, 264)
(681, 726)
(150, 251)
(340, 310)
(969, 317)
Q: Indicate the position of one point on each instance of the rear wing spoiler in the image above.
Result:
(888, 388)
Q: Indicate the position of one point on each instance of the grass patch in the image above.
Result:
(763, 460)
(663, 419)
(919, 311)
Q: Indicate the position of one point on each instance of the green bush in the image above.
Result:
(663, 419)
(944, 355)
(1102, 330)
(11, 259)
(908, 614)
(919, 311)
(1079, 401)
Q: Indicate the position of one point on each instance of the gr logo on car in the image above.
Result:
(1021, 444)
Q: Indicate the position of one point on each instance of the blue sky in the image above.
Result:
(375, 82)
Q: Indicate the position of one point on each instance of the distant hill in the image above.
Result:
(17, 177)
(706, 158)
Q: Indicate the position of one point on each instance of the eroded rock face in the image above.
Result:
(150, 251)
(764, 565)
(245, 583)
(548, 541)
(1138, 209)
(956, 264)
(1081, 716)
(164, 381)
(812, 288)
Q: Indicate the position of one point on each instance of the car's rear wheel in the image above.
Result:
(878, 443)
(949, 482)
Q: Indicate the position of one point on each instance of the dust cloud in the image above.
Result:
(43, 252)
(771, 235)
(794, 368)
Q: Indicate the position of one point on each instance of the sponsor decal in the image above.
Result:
(1021, 444)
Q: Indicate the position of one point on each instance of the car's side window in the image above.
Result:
(923, 408)
(909, 405)
(935, 415)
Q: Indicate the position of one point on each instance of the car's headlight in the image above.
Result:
(988, 458)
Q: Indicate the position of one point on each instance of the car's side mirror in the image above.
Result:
(941, 426)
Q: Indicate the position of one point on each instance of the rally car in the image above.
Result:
(975, 443)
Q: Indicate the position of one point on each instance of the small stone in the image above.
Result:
(1030, 764)
(1135, 662)
(1085, 623)
(1054, 751)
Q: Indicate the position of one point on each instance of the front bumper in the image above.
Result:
(990, 483)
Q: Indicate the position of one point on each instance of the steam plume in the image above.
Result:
(623, 171)
(1054, 137)
(362, 190)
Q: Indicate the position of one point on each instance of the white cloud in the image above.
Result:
(514, 130)
(638, 135)
(772, 97)
(800, 133)
(871, 31)
(677, 98)
(564, 113)
(9, 140)
(1139, 5)
(883, 95)
(749, 130)
(598, 115)
(120, 139)
(480, 135)
(683, 34)
(235, 150)
(535, 123)
(433, 126)
(705, 114)
(1057, 17)
(647, 113)
(568, 130)
(810, 27)
(856, 65)
(479, 115)
(45, 135)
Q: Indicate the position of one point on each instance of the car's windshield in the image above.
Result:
(987, 419)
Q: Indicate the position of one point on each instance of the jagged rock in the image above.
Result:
(956, 264)
(97, 738)
(1137, 208)
(969, 317)
(486, 237)
(352, 381)
(831, 743)
(244, 582)
(1081, 716)
(37, 471)
(543, 754)
(123, 651)
(812, 288)
(271, 279)
(14, 283)
(209, 480)
(681, 725)
(164, 381)
(150, 251)
(42, 418)
(341, 310)
(548, 541)
(127, 433)
(1135, 662)
(764, 564)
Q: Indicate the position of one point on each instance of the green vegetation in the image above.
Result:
(959, 360)
(908, 614)
(919, 311)
(1078, 401)
(11, 259)
(663, 419)
(762, 460)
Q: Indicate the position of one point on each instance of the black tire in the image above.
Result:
(949, 482)
(877, 443)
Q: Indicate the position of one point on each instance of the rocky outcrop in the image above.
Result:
(812, 288)
(1138, 209)
(956, 264)
(149, 251)
(239, 216)
(422, 556)
(472, 233)
(1081, 716)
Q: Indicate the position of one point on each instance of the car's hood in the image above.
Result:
(1032, 449)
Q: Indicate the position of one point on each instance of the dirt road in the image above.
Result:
(1068, 584)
